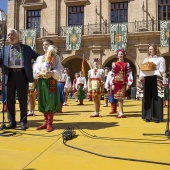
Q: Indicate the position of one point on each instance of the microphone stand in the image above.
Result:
(3, 126)
(167, 132)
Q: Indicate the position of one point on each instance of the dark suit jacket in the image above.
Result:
(27, 54)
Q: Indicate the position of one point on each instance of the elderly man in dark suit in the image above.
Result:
(18, 73)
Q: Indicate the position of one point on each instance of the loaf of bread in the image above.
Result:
(148, 66)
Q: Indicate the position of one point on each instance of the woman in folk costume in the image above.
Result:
(67, 86)
(81, 87)
(48, 69)
(74, 86)
(150, 85)
(61, 84)
(120, 79)
(96, 85)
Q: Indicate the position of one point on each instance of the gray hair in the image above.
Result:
(13, 30)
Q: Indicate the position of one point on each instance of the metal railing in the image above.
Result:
(104, 28)
(140, 26)
(89, 29)
(41, 32)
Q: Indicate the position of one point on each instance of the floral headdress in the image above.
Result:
(96, 59)
(49, 59)
(51, 54)
(52, 51)
(123, 51)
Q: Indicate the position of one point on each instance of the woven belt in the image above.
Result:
(61, 82)
(81, 84)
(16, 69)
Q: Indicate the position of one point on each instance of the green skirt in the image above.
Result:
(48, 95)
(80, 93)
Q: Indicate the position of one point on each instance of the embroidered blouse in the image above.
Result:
(120, 74)
(96, 73)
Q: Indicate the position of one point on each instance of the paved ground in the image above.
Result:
(108, 143)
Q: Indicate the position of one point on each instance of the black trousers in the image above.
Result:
(152, 104)
(17, 82)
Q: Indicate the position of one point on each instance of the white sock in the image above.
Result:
(120, 113)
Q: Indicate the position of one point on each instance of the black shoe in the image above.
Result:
(11, 126)
(147, 120)
(23, 126)
(156, 121)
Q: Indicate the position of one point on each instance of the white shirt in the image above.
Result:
(98, 74)
(56, 66)
(67, 82)
(160, 66)
(63, 78)
(81, 80)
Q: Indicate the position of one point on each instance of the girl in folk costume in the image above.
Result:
(32, 92)
(61, 84)
(120, 79)
(112, 100)
(96, 85)
(150, 85)
(67, 86)
(81, 87)
(31, 98)
(48, 69)
(74, 86)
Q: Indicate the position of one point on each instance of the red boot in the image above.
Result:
(90, 97)
(113, 108)
(164, 103)
(49, 121)
(44, 125)
(81, 102)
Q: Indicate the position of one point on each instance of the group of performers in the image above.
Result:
(114, 84)
(53, 83)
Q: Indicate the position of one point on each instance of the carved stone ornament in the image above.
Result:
(75, 2)
(32, 4)
(120, 0)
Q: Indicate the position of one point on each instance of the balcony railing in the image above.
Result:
(104, 28)
(41, 32)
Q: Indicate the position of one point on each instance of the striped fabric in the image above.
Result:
(160, 87)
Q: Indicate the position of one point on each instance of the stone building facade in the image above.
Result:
(54, 17)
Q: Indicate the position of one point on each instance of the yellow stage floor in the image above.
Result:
(121, 142)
